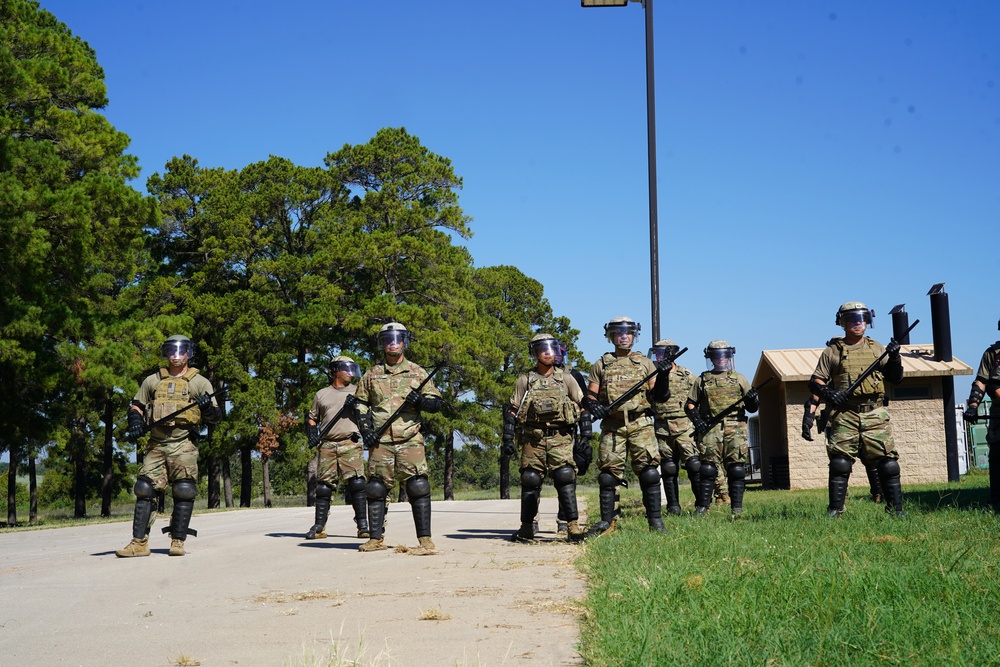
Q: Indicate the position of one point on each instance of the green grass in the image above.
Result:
(785, 585)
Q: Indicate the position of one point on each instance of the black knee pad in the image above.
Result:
(324, 490)
(692, 465)
(144, 488)
(606, 480)
(563, 475)
(888, 468)
(708, 470)
(736, 471)
(649, 476)
(185, 489)
(418, 487)
(376, 489)
(840, 465)
(355, 485)
(531, 479)
(669, 468)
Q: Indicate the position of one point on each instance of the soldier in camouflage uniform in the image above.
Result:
(724, 445)
(341, 455)
(544, 412)
(987, 383)
(674, 432)
(171, 457)
(627, 431)
(398, 456)
(859, 421)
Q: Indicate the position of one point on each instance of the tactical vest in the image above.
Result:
(852, 364)
(681, 380)
(620, 375)
(173, 393)
(721, 390)
(547, 403)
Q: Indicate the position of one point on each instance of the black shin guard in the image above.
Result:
(737, 475)
(376, 493)
(418, 490)
(668, 473)
(359, 501)
(892, 490)
(145, 503)
(564, 479)
(649, 483)
(184, 492)
(706, 486)
(840, 475)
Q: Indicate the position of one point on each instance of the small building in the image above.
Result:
(789, 461)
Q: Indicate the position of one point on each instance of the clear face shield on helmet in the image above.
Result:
(851, 318)
(395, 340)
(621, 334)
(546, 350)
(659, 352)
(348, 367)
(173, 349)
(720, 359)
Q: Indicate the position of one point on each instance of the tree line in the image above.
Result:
(272, 269)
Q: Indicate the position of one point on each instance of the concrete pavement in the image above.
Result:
(252, 591)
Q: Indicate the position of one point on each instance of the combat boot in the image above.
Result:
(524, 535)
(574, 531)
(317, 532)
(426, 547)
(562, 528)
(177, 547)
(134, 548)
(373, 545)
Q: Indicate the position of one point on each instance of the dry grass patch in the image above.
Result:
(434, 614)
(280, 597)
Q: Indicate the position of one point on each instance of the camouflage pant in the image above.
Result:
(340, 461)
(635, 440)
(676, 439)
(165, 464)
(725, 444)
(545, 453)
(398, 461)
(868, 434)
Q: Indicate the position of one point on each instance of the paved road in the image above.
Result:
(251, 591)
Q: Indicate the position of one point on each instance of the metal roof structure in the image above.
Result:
(798, 365)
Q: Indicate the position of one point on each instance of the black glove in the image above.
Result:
(751, 400)
(583, 454)
(430, 403)
(835, 397)
(971, 413)
(413, 399)
(808, 421)
(893, 349)
(701, 426)
(312, 432)
(350, 401)
(507, 447)
(367, 429)
(596, 410)
(204, 402)
(665, 364)
(136, 425)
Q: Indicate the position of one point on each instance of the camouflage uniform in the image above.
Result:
(675, 436)
(399, 456)
(988, 376)
(859, 423)
(341, 458)
(626, 433)
(171, 457)
(725, 446)
(547, 409)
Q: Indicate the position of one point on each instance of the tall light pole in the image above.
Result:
(654, 253)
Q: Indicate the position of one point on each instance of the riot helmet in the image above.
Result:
(662, 348)
(345, 364)
(543, 343)
(177, 345)
(562, 359)
(720, 356)
(852, 313)
(394, 332)
(621, 325)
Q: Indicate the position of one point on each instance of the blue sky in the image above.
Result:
(808, 153)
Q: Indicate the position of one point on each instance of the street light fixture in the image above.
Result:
(654, 262)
